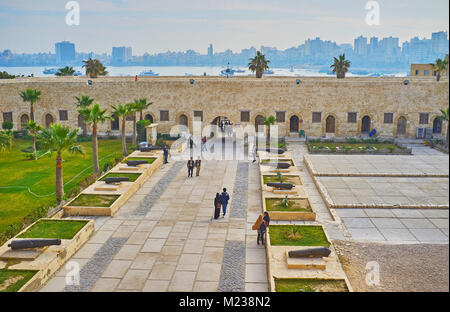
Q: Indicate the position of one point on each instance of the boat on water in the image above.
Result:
(78, 73)
(148, 73)
(50, 71)
(239, 70)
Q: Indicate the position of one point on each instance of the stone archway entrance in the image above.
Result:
(183, 120)
(48, 120)
(259, 121)
(330, 125)
(437, 125)
(401, 126)
(24, 119)
(365, 125)
(149, 118)
(294, 124)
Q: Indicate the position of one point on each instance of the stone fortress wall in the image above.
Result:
(297, 97)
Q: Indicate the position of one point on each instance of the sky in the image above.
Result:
(153, 26)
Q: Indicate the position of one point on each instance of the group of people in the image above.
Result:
(261, 225)
(191, 164)
(221, 201)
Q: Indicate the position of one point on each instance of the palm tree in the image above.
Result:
(66, 71)
(93, 116)
(31, 96)
(82, 102)
(58, 138)
(267, 122)
(139, 105)
(444, 117)
(122, 111)
(94, 68)
(440, 66)
(5, 140)
(258, 64)
(340, 66)
(33, 130)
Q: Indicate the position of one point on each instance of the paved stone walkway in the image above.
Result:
(167, 240)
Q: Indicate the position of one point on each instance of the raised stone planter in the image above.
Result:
(290, 215)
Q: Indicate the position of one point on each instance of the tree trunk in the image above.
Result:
(59, 179)
(124, 141)
(34, 147)
(134, 130)
(438, 77)
(95, 149)
(141, 117)
(31, 112)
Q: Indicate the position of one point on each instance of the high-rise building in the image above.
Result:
(389, 46)
(65, 52)
(121, 55)
(210, 50)
(373, 46)
(439, 43)
(361, 45)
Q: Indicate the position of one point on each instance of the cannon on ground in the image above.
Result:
(277, 165)
(115, 180)
(283, 186)
(33, 243)
(278, 151)
(135, 163)
(317, 252)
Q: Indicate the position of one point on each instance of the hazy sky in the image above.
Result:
(160, 25)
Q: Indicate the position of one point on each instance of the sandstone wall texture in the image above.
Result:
(224, 97)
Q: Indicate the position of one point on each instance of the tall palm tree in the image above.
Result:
(440, 66)
(58, 138)
(122, 111)
(445, 117)
(340, 66)
(82, 102)
(5, 140)
(268, 122)
(94, 68)
(66, 71)
(93, 116)
(33, 130)
(258, 64)
(31, 96)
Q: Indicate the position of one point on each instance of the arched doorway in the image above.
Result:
(401, 126)
(365, 125)
(294, 124)
(437, 125)
(149, 118)
(183, 120)
(24, 119)
(330, 126)
(259, 121)
(48, 120)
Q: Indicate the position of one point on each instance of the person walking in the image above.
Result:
(266, 219)
(258, 226)
(166, 154)
(204, 144)
(217, 205)
(198, 164)
(190, 166)
(191, 142)
(261, 233)
(224, 198)
(254, 153)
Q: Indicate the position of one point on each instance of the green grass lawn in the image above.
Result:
(334, 145)
(90, 200)
(39, 175)
(62, 229)
(311, 235)
(309, 285)
(294, 205)
(150, 160)
(13, 280)
(289, 161)
(133, 176)
(286, 179)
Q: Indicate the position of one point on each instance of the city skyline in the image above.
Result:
(159, 26)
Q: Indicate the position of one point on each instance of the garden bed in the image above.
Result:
(354, 146)
(132, 176)
(91, 200)
(289, 161)
(310, 285)
(149, 160)
(307, 235)
(14, 280)
(294, 205)
(285, 179)
(53, 229)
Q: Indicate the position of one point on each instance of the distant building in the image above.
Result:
(361, 45)
(439, 43)
(373, 46)
(426, 70)
(65, 52)
(210, 51)
(121, 55)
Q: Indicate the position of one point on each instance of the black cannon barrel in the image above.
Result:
(286, 186)
(113, 180)
(134, 163)
(150, 149)
(278, 165)
(278, 151)
(317, 252)
(33, 243)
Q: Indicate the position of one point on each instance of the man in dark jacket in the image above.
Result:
(190, 165)
(166, 154)
(224, 198)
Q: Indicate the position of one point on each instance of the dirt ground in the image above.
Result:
(403, 268)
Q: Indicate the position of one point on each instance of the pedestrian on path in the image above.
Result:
(224, 198)
(204, 144)
(198, 164)
(254, 153)
(166, 154)
(260, 226)
(190, 166)
(266, 219)
(217, 205)
(191, 142)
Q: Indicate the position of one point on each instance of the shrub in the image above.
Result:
(7, 125)
(141, 130)
(352, 140)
